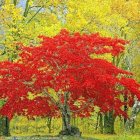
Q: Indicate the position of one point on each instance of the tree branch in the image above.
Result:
(84, 106)
(15, 2)
(26, 9)
(57, 103)
(35, 14)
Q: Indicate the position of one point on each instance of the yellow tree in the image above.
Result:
(25, 24)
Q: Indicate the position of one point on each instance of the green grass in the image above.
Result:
(116, 137)
(93, 137)
(47, 138)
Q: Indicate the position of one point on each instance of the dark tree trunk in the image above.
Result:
(66, 119)
(125, 108)
(67, 129)
(4, 126)
(66, 122)
(7, 127)
(1, 126)
(66, 115)
(109, 121)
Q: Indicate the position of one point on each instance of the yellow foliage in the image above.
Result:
(128, 9)
(107, 57)
(110, 18)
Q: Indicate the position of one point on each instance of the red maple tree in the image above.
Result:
(64, 63)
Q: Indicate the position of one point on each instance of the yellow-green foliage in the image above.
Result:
(136, 65)
(104, 16)
(18, 28)
(109, 17)
(21, 126)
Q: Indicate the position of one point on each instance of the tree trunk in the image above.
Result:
(67, 129)
(135, 110)
(97, 121)
(109, 123)
(73, 121)
(101, 123)
(1, 126)
(49, 123)
(66, 115)
(125, 108)
(4, 126)
(66, 122)
(7, 127)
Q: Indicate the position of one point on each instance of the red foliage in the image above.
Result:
(63, 63)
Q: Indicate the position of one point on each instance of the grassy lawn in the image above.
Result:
(47, 138)
(95, 137)
(117, 137)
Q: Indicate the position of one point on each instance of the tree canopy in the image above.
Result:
(64, 63)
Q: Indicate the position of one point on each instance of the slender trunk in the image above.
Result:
(7, 127)
(1, 126)
(74, 121)
(135, 110)
(15, 2)
(97, 121)
(101, 123)
(4, 126)
(26, 8)
(49, 124)
(125, 108)
(109, 121)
